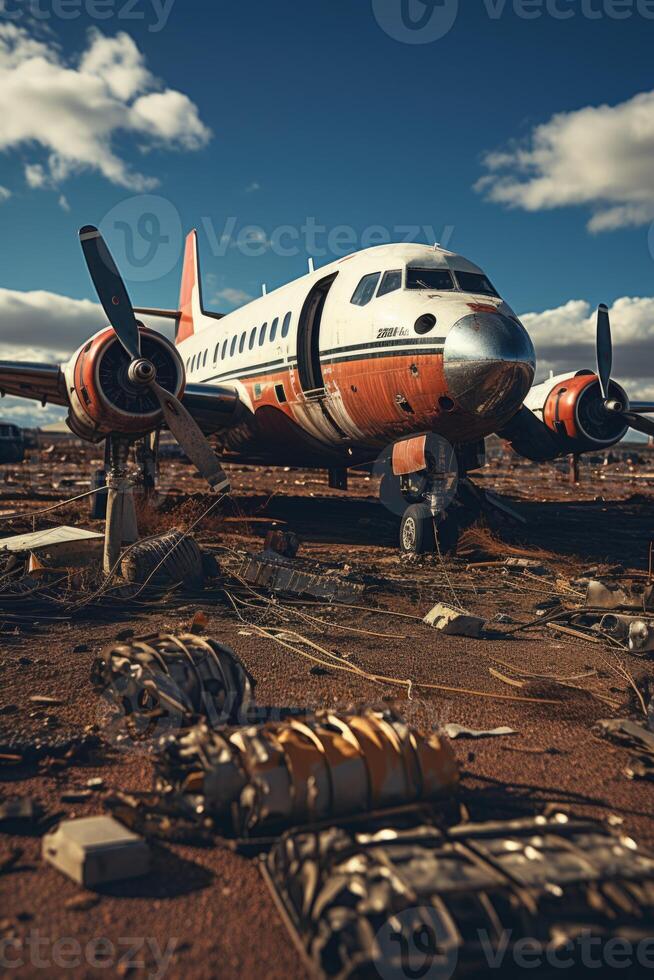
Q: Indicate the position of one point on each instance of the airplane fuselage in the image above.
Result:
(381, 344)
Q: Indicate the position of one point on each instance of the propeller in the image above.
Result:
(117, 305)
(615, 406)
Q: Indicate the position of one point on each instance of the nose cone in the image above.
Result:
(489, 365)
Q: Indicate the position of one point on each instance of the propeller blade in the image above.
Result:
(604, 349)
(191, 439)
(111, 289)
(640, 424)
(641, 408)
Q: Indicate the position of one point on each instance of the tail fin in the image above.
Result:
(190, 296)
(190, 308)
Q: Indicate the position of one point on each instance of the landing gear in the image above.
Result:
(419, 529)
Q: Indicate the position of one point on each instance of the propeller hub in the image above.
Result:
(614, 406)
(142, 372)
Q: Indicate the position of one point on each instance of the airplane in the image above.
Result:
(392, 346)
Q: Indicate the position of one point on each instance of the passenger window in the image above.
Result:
(232, 347)
(262, 334)
(215, 353)
(224, 354)
(366, 289)
(253, 337)
(241, 346)
(204, 359)
(273, 328)
(390, 282)
(286, 326)
(193, 364)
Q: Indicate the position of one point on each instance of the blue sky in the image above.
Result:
(314, 111)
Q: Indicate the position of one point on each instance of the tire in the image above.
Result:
(417, 531)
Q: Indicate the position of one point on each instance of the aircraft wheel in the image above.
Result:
(417, 531)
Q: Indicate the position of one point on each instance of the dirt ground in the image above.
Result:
(209, 908)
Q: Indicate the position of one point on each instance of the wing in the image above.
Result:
(42, 382)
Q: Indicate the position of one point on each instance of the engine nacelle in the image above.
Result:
(102, 397)
(572, 406)
(566, 415)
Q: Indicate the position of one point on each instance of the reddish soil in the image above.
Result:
(212, 903)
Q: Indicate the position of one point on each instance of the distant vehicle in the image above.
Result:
(12, 443)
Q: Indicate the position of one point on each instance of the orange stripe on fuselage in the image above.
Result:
(385, 398)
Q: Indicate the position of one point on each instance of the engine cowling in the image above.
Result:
(103, 400)
(572, 406)
(566, 415)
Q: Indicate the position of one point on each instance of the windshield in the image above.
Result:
(475, 282)
(439, 279)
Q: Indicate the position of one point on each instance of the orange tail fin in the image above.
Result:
(190, 296)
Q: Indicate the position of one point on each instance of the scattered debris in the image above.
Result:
(453, 622)
(284, 543)
(276, 574)
(299, 771)
(474, 896)
(59, 546)
(81, 903)
(605, 595)
(45, 700)
(636, 737)
(19, 814)
(641, 637)
(96, 850)
(526, 565)
(167, 559)
(459, 731)
(173, 681)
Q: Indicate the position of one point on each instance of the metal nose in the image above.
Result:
(490, 364)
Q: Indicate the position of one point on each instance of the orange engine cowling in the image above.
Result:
(104, 400)
(574, 409)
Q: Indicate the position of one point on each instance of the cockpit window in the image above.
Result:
(390, 282)
(438, 279)
(475, 282)
(366, 289)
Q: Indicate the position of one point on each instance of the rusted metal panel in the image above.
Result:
(409, 456)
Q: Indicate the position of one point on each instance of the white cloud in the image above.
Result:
(236, 297)
(599, 157)
(74, 109)
(253, 187)
(5, 194)
(55, 325)
(565, 340)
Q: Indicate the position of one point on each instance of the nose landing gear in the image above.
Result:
(419, 528)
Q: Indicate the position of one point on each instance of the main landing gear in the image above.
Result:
(436, 502)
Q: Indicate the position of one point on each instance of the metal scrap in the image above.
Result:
(641, 637)
(454, 622)
(304, 770)
(463, 899)
(96, 850)
(163, 681)
(274, 573)
(605, 595)
(460, 731)
(634, 736)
